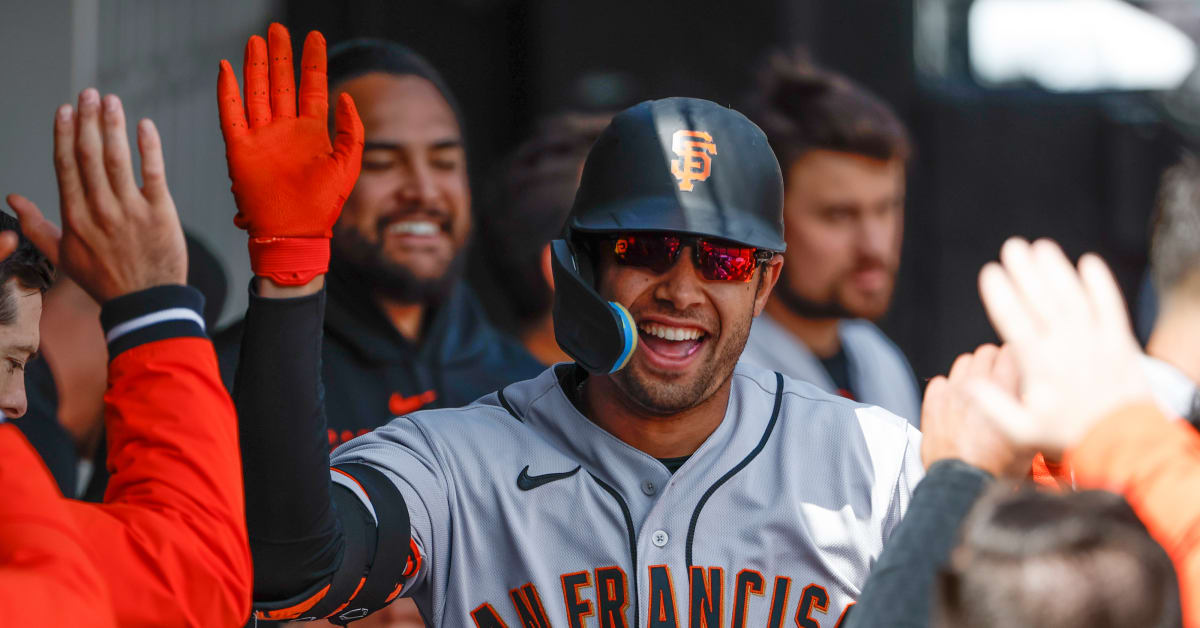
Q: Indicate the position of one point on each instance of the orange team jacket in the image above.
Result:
(46, 577)
(170, 538)
(1155, 464)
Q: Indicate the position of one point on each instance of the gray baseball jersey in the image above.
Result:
(525, 513)
(879, 372)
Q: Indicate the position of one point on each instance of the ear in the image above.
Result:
(766, 282)
(547, 271)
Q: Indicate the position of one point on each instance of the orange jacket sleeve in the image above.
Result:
(1155, 464)
(46, 577)
(171, 535)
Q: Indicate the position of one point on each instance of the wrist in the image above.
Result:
(289, 261)
(268, 288)
(156, 313)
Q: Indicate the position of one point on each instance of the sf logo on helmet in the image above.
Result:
(694, 163)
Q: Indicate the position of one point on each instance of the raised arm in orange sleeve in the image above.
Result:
(171, 535)
(1155, 464)
(46, 577)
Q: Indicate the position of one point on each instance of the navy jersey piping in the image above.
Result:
(741, 465)
(508, 406)
(633, 590)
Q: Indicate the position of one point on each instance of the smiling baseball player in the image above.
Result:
(654, 481)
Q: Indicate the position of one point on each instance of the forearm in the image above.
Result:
(1155, 464)
(172, 528)
(294, 535)
(899, 590)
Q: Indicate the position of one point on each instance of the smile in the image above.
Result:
(670, 347)
(414, 228)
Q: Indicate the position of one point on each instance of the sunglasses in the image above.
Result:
(717, 260)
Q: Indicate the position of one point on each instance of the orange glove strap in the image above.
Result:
(289, 261)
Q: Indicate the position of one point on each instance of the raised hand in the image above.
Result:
(952, 428)
(288, 180)
(1072, 342)
(117, 238)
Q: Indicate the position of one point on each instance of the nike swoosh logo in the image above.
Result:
(527, 482)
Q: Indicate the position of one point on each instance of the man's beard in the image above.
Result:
(369, 262)
(829, 308)
(670, 398)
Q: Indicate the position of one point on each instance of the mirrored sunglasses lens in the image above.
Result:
(725, 263)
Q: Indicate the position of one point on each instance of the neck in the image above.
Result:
(820, 335)
(539, 340)
(671, 436)
(405, 317)
(1176, 338)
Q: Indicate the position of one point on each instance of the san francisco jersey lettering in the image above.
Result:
(525, 513)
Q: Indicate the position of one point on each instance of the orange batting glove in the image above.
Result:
(288, 181)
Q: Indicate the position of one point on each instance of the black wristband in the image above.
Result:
(170, 311)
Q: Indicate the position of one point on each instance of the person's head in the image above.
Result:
(671, 249)
(527, 203)
(843, 153)
(406, 224)
(1175, 242)
(1049, 560)
(25, 275)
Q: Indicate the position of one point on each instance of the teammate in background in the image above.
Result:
(1175, 266)
(654, 481)
(402, 330)
(843, 153)
(169, 544)
(525, 209)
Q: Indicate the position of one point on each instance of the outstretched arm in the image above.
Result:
(171, 535)
(314, 543)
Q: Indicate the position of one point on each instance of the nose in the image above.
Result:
(875, 236)
(681, 285)
(12, 395)
(420, 186)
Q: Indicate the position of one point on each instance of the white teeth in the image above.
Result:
(420, 228)
(674, 334)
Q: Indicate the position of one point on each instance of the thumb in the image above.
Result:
(348, 145)
(44, 234)
(1004, 412)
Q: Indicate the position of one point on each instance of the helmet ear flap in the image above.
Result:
(600, 335)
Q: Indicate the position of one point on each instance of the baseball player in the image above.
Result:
(654, 481)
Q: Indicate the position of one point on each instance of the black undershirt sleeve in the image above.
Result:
(899, 592)
(295, 538)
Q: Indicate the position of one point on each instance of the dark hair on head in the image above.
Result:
(527, 202)
(1047, 560)
(356, 57)
(802, 107)
(27, 265)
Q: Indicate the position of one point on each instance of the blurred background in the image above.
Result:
(1032, 117)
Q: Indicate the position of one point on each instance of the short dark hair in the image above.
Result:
(527, 202)
(1175, 243)
(27, 265)
(356, 57)
(802, 107)
(1039, 559)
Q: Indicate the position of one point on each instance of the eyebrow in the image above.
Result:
(29, 350)
(438, 145)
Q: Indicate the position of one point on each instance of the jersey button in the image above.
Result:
(648, 487)
(659, 538)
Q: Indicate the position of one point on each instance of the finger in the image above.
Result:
(1004, 412)
(1104, 295)
(8, 244)
(44, 234)
(314, 95)
(154, 170)
(960, 368)
(1066, 292)
(1017, 257)
(1005, 372)
(1005, 308)
(983, 360)
(66, 167)
(89, 153)
(283, 82)
(257, 82)
(117, 160)
(933, 405)
(348, 145)
(229, 103)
